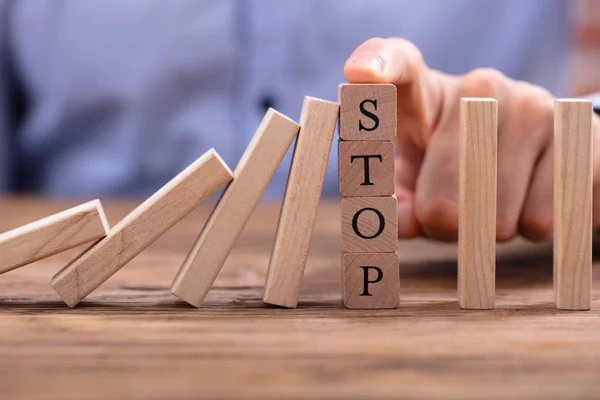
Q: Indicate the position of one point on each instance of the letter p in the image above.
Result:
(366, 280)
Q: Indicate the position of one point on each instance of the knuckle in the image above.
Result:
(537, 105)
(413, 50)
(369, 46)
(483, 82)
(375, 41)
(410, 52)
(533, 111)
(536, 228)
(439, 216)
(486, 74)
(505, 230)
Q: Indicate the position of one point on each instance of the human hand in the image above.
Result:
(427, 170)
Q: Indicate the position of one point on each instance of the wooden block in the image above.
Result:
(52, 235)
(369, 224)
(366, 168)
(141, 227)
(251, 177)
(367, 112)
(300, 203)
(477, 208)
(370, 280)
(573, 152)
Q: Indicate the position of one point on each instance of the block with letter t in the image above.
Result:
(366, 168)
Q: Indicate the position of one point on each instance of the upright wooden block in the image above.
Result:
(366, 168)
(141, 227)
(370, 280)
(369, 224)
(52, 235)
(477, 209)
(367, 111)
(300, 203)
(573, 152)
(251, 177)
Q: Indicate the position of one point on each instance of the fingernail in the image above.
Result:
(370, 61)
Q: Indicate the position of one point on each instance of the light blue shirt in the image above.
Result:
(103, 97)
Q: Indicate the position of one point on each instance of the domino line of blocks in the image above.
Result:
(370, 267)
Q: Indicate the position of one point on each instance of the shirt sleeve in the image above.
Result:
(5, 101)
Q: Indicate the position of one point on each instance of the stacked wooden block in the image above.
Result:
(370, 270)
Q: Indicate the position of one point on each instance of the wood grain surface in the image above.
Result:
(573, 175)
(367, 111)
(251, 177)
(375, 218)
(370, 280)
(366, 168)
(300, 202)
(141, 227)
(51, 235)
(477, 203)
(132, 339)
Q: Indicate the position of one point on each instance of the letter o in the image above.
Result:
(355, 223)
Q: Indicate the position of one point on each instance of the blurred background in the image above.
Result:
(115, 97)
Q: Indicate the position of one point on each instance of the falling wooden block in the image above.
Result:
(52, 235)
(141, 227)
(573, 152)
(369, 224)
(367, 111)
(366, 168)
(300, 203)
(370, 280)
(477, 208)
(251, 177)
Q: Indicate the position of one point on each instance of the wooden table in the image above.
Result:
(132, 339)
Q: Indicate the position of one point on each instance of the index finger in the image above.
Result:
(378, 60)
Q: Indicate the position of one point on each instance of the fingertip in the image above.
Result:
(408, 226)
(379, 60)
(365, 68)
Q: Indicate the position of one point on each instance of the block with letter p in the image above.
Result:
(371, 280)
